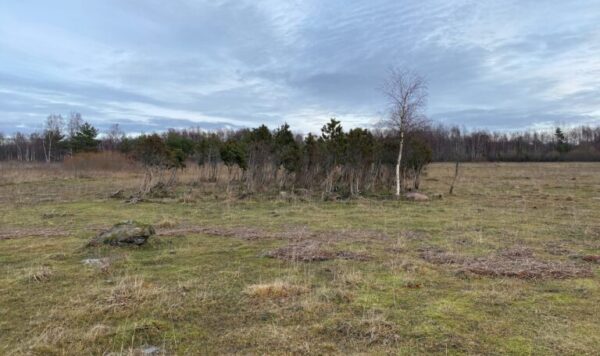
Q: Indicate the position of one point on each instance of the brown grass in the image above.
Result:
(39, 274)
(12, 233)
(274, 290)
(515, 262)
(100, 161)
(129, 292)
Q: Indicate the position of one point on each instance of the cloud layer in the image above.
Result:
(154, 64)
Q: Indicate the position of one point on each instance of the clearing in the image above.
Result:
(509, 264)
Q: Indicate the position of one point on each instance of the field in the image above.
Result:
(505, 266)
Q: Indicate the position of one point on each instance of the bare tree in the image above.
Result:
(113, 137)
(75, 122)
(52, 134)
(406, 92)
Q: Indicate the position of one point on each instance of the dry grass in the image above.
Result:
(507, 265)
(514, 262)
(130, 292)
(16, 233)
(275, 290)
(38, 274)
(100, 162)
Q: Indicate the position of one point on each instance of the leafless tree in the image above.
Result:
(52, 134)
(75, 122)
(113, 137)
(406, 93)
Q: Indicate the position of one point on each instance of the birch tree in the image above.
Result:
(52, 135)
(406, 93)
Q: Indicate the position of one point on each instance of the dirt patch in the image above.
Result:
(312, 251)
(517, 262)
(16, 233)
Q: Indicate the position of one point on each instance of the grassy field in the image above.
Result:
(497, 268)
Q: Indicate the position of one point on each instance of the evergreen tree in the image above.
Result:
(84, 139)
(562, 146)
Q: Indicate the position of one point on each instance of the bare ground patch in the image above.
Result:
(519, 262)
(16, 233)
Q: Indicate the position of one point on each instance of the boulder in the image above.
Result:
(125, 233)
(415, 196)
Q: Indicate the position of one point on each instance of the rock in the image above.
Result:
(151, 350)
(414, 196)
(125, 233)
(101, 263)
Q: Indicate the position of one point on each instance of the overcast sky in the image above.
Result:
(151, 64)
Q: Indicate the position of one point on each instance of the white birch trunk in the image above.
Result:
(398, 164)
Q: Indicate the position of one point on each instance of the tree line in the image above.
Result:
(56, 142)
(391, 157)
(354, 160)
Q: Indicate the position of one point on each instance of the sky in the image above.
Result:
(150, 65)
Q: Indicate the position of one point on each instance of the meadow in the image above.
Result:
(506, 265)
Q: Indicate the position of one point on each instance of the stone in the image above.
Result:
(101, 263)
(125, 233)
(151, 350)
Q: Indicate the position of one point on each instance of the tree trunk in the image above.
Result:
(398, 164)
(454, 180)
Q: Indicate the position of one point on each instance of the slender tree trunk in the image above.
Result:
(398, 164)
(45, 151)
(454, 180)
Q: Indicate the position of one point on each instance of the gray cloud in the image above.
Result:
(153, 64)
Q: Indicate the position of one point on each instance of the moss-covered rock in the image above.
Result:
(125, 233)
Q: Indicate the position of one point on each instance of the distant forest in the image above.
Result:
(62, 138)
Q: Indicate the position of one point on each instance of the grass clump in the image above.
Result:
(275, 290)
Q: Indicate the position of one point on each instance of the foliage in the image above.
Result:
(152, 151)
(84, 139)
(179, 147)
(562, 146)
(233, 154)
